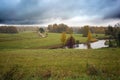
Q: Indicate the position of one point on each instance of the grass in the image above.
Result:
(31, 40)
(61, 64)
(25, 40)
(100, 36)
(22, 59)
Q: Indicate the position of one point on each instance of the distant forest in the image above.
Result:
(13, 29)
(56, 28)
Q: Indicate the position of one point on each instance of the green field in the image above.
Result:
(60, 64)
(21, 58)
(33, 40)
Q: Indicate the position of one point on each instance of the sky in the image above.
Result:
(70, 12)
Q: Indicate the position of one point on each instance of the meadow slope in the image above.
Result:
(32, 40)
(21, 58)
(60, 64)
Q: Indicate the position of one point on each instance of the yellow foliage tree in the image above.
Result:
(63, 38)
(89, 36)
(89, 39)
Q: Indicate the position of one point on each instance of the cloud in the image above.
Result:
(113, 11)
(71, 12)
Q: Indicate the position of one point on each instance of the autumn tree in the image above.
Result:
(59, 28)
(62, 28)
(50, 27)
(89, 36)
(63, 38)
(55, 27)
(98, 30)
(93, 29)
(80, 30)
(70, 42)
(70, 30)
(85, 31)
(89, 39)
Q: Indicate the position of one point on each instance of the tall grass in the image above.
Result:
(60, 64)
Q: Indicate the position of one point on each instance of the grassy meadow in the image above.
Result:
(22, 57)
(32, 40)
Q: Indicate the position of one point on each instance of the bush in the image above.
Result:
(41, 30)
(70, 42)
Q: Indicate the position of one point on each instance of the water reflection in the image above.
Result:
(94, 45)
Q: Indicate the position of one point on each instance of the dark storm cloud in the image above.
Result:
(113, 15)
(114, 11)
(42, 11)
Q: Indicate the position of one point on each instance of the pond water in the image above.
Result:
(94, 45)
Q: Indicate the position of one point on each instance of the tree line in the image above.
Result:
(114, 35)
(59, 28)
(26, 28)
(93, 29)
(10, 29)
(55, 28)
(16, 29)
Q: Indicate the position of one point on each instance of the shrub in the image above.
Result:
(70, 42)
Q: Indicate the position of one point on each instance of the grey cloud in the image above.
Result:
(37, 11)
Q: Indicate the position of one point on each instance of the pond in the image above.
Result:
(95, 45)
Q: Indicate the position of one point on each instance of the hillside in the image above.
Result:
(26, 56)
(60, 64)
